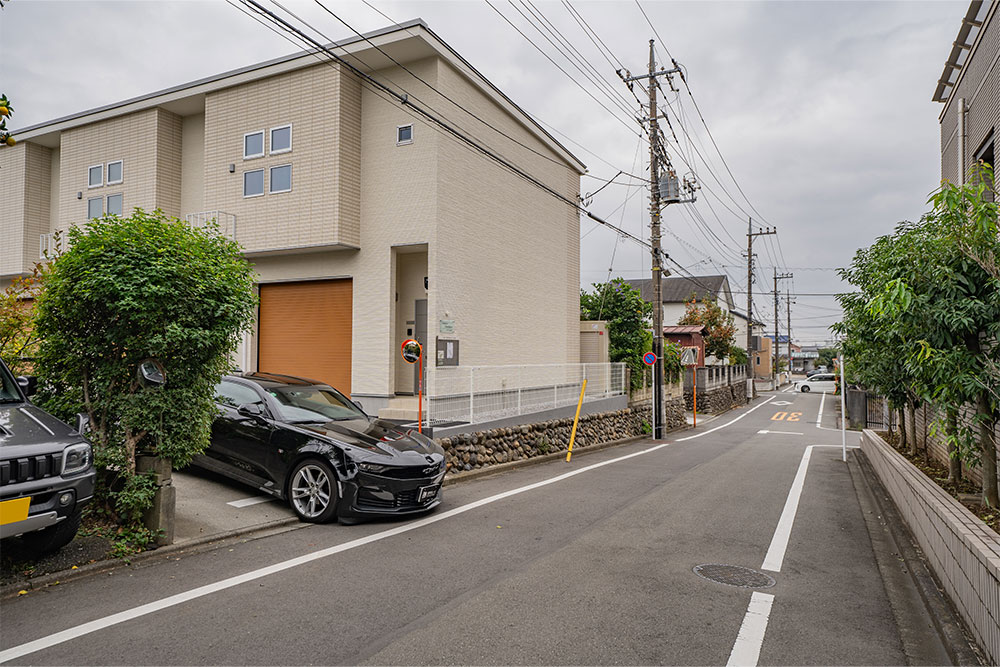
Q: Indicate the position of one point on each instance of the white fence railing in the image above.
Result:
(226, 221)
(476, 394)
(53, 243)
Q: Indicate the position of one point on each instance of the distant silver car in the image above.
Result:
(822, 382)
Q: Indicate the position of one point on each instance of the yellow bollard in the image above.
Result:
(576, 419)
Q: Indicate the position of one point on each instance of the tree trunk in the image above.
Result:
(954, 462)
(913, 428)
(902, 428)
(989, 449)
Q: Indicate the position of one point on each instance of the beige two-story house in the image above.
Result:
(367, 223)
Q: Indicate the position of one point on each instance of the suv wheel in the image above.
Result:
(53, 538)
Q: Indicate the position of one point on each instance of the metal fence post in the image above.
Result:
(472, 395)
(520, 384)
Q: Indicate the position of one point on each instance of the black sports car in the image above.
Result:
(305, 442)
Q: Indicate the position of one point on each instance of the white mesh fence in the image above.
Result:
(477, 394)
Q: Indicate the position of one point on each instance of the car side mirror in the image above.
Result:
(253, 411)
(28, 384)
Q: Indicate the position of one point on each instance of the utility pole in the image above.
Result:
(774, 366)
(750, 235)
(661, 193)
(788, 308)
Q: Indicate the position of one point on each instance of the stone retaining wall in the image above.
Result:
(962, 551)
(471, 451)
(716, 401)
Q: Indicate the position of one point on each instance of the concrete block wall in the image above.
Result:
(962, 551)
(926, 418)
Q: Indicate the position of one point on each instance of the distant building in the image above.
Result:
(969, 88)
(687, 335)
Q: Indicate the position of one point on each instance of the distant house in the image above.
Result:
(687, 335)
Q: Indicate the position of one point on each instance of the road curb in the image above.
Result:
(892, 532)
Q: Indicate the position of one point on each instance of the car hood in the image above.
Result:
(377, 436)
(25, 428)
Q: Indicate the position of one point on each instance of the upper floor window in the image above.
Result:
(253, 145)
(404, 134)
(95, 176)
(253, 183)
(281, 178)
(95, 207)
(115, 204)
(115, 172)
(281, 139)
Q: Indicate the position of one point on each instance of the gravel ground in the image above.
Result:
(17, 563)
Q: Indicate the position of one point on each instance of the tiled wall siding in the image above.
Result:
(963, 553)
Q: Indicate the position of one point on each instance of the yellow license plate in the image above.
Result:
(12, 511)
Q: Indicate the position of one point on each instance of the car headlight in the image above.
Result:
(371, 467)
(76, 458)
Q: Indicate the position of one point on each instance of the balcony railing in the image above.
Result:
(53, 243)
(226, 221)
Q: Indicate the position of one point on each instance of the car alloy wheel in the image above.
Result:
(313, 491)
(805, 389)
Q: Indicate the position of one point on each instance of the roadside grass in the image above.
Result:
(939, 475)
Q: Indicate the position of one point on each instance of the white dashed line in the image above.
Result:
(246, 502)
(746, 650)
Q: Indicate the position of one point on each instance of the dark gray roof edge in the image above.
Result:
(405, 25)
(412, 23)
(504, 96)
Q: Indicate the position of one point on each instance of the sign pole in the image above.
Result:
(694, 374)
(650, 360)
(843, 410)
(420, 394)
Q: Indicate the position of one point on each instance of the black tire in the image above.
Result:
(49, 540)
(805, 389)
(313, 492)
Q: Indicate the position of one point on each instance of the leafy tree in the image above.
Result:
(720, 329)
(6, 111)
(738, 356)
(626, 313)
(129, 289)
(826, 356)
(18, 341)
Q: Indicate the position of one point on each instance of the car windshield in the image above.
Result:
(8, 387)
(310, 405)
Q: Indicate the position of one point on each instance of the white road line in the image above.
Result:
(819, 415)
(779, 542)
(711, 430)
(746, 650)
(246, 502)
(173, 600)
(781, 432)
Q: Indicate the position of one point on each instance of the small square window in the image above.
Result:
(115, 204)
(281, 139)
(281, 178)
(95, 176)
(114, 172)
(404, 134)
(95, 207)
(253, 183)
(253, 145)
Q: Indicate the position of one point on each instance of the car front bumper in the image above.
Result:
(45, 509)
(368, 495)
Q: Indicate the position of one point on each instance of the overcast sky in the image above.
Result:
(822, 110)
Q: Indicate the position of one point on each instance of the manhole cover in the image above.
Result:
(733, 575)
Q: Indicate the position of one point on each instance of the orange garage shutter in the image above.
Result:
(305, 330)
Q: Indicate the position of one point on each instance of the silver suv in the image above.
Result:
(46, 470)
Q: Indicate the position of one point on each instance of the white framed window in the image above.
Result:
(253, 145)
(116, 172)
(281, 139)
(95, 176)
(95, 207)
(253, 183)
(115, 204)
(404, 134)
(281, 178)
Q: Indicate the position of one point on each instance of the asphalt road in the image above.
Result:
(589, 562)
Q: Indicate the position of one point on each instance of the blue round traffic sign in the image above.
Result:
(649, 358)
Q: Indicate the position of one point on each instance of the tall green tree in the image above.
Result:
(622, 306)
(129, 289)
(720, 327)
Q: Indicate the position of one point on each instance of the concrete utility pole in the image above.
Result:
(774, 366)
(788, 308)
(750, 234)
(661, 193)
